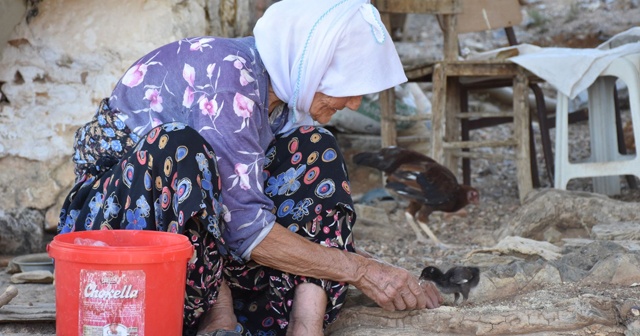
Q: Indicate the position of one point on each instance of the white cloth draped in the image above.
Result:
(573, 70)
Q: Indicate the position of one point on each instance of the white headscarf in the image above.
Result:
(337, 47)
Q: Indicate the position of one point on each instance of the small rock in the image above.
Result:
(630, 309)
(12, 268)
(21, 231)
(616, 231)
(45, 277)
(519, 245)
(371, 214)
(620, 269)
(633, 328)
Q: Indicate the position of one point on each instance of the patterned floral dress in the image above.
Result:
(193, 151)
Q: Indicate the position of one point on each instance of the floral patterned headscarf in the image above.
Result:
(337, 47)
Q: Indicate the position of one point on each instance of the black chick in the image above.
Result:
(427, 185)
(457, 280)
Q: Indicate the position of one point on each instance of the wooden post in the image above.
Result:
(388, 131)
(521, 132)
(438, 102)
(450, 37)
(452, 122)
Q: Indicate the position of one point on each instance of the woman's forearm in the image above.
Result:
(286, 251)
(389, 286)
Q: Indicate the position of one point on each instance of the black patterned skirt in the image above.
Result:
(168, 181)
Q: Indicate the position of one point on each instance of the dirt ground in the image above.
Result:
(571, 23)
(559, 23)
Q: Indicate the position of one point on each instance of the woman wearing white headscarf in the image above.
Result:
(216, 139)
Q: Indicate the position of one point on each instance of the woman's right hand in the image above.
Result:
(391, 287)
(394, 288)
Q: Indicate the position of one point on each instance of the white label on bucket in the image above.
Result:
(111, 303)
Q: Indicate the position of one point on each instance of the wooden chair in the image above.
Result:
(490, 15)
(453, 79)
(390, 9)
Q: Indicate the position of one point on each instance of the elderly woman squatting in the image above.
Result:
(215, 138)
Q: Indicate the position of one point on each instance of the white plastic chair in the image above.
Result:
(606, 163)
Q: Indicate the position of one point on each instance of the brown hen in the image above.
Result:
(426, 184)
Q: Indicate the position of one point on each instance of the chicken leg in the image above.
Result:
(419, 236)
(418, 226)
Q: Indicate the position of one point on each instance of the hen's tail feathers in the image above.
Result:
(373, 160)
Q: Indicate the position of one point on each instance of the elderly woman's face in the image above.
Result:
(323, 107)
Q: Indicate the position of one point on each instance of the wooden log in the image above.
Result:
(8, 295)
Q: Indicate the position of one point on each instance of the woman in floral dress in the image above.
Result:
(218, 139)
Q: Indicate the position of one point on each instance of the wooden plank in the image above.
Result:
(419, 72)
(415, 117)
(479, 15)
(482, 155)
(412, 139)
(418, 6)
(480, 144)
(480, 69)
(471, 115)
(367, 140)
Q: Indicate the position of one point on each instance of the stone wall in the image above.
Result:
(58, 61)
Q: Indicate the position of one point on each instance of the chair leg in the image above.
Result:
(533, 162)
(631, 180)
(541, 109)
(465, 136)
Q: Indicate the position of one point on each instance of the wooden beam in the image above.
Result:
(480, 144)
(479, 15)
(482, 155)
(479, 69)
(419, 6)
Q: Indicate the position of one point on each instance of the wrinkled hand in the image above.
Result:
(432, 292)
(394, 288)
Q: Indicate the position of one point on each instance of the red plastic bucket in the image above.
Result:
(133, 286)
